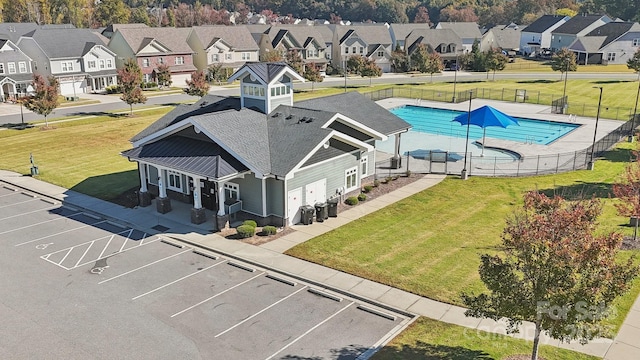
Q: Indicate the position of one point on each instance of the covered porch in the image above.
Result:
(99, 81)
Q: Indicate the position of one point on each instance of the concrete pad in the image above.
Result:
(492, 326)
(369, 289)
(279, 245)
(296, 237)
(292, 265)
(343, 281)
(429, 308)
(337, 222)
(318, 273)
(596, 347)
(455, 315)
(259, 255)
(315, 229)
(622, 351)
(629, 335)
(398, 298)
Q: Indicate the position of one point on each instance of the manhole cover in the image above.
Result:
(160, 228)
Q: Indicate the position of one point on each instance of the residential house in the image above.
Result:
(469, 32)
(227, 46)
(537, 35)
(579, 25)
(16, 74)
(78, 58)
(326, 33)
(13, 31)
(111, 29)
(400, 32)
(443, 41)
(503, 37)
(612, 43)
(151, 47)
(260, 156)
(372, 41)
(304, 39)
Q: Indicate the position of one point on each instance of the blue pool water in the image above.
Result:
(438, 122)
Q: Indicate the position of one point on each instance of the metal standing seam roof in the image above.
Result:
(65, 43)
(267, 72)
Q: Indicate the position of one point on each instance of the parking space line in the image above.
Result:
(65, 256)
(46, 257)
(144, 236)
(62, 232)
(103, 249)
(18, 203)
(260, 312)
(131, 248)
(308, 331)
(142, 267)
(214, 296)
(175, 281)
(85, 252)
(29, 212)
(40, 223)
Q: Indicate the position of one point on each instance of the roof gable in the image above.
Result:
(579, 23)
(266, 73)
(614, 30)
(544, 23)
(65, 43)
(466, 30)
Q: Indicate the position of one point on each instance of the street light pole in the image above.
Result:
(345, 74)
(564, 92)
(455, 78)
(635, 111)
(595, 131)
(464, 175)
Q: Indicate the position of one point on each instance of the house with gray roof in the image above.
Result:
(227, 46)
(537, 35)
(612, 43)
(260, 156)
(503, 37)
(400, 32)
(151, 47)
(469, 32)
(443, 41)
(78, 58)
(579, 25)
(370, 40)
(16, 73)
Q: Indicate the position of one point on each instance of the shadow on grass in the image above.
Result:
(97, 113)
(537, 81)
(425, 351)
(611, 81)
(108, 187)
(581, 190)
(17, 126)
(619, 155)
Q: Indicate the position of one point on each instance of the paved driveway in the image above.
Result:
(76, 286)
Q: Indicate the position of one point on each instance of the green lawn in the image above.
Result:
(429, 244)
(428, 339)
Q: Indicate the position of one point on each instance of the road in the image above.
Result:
(11, 114)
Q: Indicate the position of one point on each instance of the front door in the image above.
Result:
(208, 196)
(294, 202)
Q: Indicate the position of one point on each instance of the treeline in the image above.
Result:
(91, 13)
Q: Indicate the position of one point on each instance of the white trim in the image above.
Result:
(244, 69)
(264, 196)
(353, 171)
(325, 161)
(174, 174)
(364, 160)
(356, 125)
(353, 141)
(232, 187)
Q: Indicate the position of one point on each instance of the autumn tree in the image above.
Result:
(312, 73)
(627, 190)
(45, 97)
(111, 12)
(163, 75)
(295, 61)
(370, 69)
(434, 64)
(130, 79)
(495, 61)
(217, 73)
(453, 14)
(198, 85)
(419, 58)
(555, 271)
(564, 61)
(399, 61)
(422, 16)
(355, 63)
(271, 56)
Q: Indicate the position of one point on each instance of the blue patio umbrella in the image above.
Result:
(484, 117)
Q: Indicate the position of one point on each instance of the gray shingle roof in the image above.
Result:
(13, 31)
(65, 43)
(576, 24)
(238, 37)
(433, 38)
(466, 30)
(371, 34)
(326, 32)
(543, 23)
(301, 33)
(590, 44)
(173, 38)
(401, 31)
(614, 30)
(190, 155)
(506, 37)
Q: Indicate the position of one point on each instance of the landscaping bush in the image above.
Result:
(268, 230)
(113, 89)
(251, 223)
(362, 197)
(245, 231)
(149, 85)
(351, 200)
(407, 173)
(376, 183)
(367, 188)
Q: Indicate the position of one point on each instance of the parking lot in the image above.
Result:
(75, 285)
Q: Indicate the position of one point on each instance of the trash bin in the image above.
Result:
(321, 212)
(395, 162)
(332, 207)
(306, 213)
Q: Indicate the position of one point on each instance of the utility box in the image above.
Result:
(321, 212)
(332, 207)
(395, 162)
(34, 170)
(306, 214)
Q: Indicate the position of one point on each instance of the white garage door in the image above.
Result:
(66, 88)
(180, 80)
(316, 192)
(294, 202)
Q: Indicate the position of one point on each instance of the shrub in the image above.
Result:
(407, 173)
(268, 230)
(362, 197)
(245, 231)
(113, 89)
(367, 188)
(351, 200)
(376, 183)
(251, 223)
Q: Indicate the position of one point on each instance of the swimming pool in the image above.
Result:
(438, 122)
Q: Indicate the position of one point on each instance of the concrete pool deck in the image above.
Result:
(579, 139)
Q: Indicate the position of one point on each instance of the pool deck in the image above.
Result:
(579, 139)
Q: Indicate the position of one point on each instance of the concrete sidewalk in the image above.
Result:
(269, 256)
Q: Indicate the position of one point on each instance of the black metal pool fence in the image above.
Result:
(452, 163)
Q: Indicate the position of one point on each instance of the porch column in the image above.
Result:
(264, 197)
(222, 219)
(144, 197)
(163, 204)
(396, 160)
(198, 215)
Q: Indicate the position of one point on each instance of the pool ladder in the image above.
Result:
(530, 139)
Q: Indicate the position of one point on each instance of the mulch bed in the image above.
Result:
(629, 244)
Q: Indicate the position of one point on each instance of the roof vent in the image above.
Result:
(275, 115)
(309, 120)
(203, 104)
(289, 117)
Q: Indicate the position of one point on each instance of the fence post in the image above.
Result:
(575, 157)
(502, 96)
(538, 98)
(408, 156)
(538, 165)
(518, 169)
(557, 163)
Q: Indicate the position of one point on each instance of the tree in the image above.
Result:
(564, 60)
(355, 63)
(634, 62)
(217, 73)
(419, 58)
(295, 61)
(399, 61)
(312, 73)
(140, 16)
(466, 14)
(271, 56)
(434, 64)
(198, 85)
(130, 78)
(370, 70)
(111, 12)
(163, 75)
(628, 192)
(422, 16)
(495, 60)
(45, 97)
(555, 271)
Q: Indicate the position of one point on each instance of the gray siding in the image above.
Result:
(333, 171)
(250, 194)
(249, 102)
(275, 197)
(153, 175)
(335, 149)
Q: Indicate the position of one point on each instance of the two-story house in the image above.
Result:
(372, 41)
(612, 43)
(537, 35)
(15, 71)
(400, 32)
(579, 25)
(151, 47)
(503, 37)
(469, 32)
(306, 40)
(228, 46)
(445, 42)
(78, 58)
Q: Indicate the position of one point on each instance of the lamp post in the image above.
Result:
(455, 78)
(464, 175)
(564, 91)
(345, 75)
(635, 111)
(595, 131)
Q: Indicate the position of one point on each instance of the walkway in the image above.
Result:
(269, 256)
